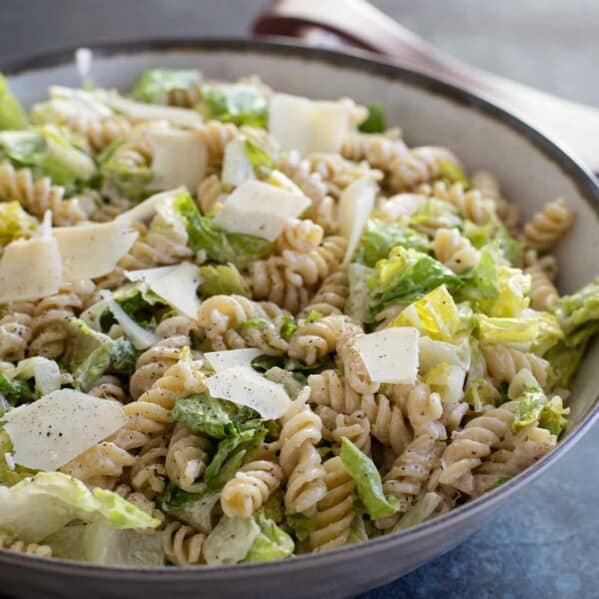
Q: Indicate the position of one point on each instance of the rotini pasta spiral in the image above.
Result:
(15, 544)
(472, 205)
(109, 387)
(504, 362)
(455, 250)
(100, 133)
(39, 195)
(148, 473)
(140, 501)
(473, 443)
(488, 185)
(425, 412)
(379, 150)
(300, 433)
(330, 297)
(235, 322)
(300, 236)
(183, 545)
(335, 511)
(549, 225)
(249, 489)
(15, 330)
(215, 136)
(186, 458)
(210, 191)
(419, 165)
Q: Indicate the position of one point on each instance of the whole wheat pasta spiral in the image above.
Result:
(215, 136)
(100, 133)
(249, 489)
(186, 459)
(338, 172)
(488, 185)
(300, 236)
(330, 297)
(472, 205)
(109, 387)
(379, 150)
(425, 411)
(210, 191)
(335, 511)
(140, 501)
(299, 459)
(148, 473)
(549, 225)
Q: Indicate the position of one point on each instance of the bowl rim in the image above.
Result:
(359, 61)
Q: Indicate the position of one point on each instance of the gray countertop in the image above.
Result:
(546, 542)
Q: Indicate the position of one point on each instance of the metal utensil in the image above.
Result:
(357, 23)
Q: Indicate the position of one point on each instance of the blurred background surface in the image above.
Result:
(546, 542)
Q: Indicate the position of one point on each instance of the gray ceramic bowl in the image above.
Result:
(532, 169)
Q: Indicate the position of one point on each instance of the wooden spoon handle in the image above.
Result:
(357, 23)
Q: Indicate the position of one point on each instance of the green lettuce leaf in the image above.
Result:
(301, 525)
(236, 103)
(517, 332)
(15, 223)
(130, 179)
(368, 481)
(222, 279)
(375, 122)
(220, 245)
(564, 362)
(39, 506)
(552, 416)
(479, 392)
(100, 543)
(578, 314)
(531, 404)
(380, 237)
(205, 414)
(116, 356)
(231, 540)
(12, 115)
(435, 213)
(482, 281)
(196, 509)
(271, 543)
(15, 391)
(231, 453)
(289, 326)
(494, 233)
(259, 158)
(10, 476)
(513, 286)
(48, 152)
(405, 276)
(155, 84)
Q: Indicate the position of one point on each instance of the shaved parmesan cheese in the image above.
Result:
(50, 432)
(309, 126)
(390, 355)
(244, 386)
(176, 285)
(260, 209)
(355, 206)
(30, 269)
(140, 111)
(146, 209)
(237, 167)
(149, 275)
(221, 360)
(402, 205)
(140, 337)
(90, 251)
(46, 373)
(178, 157)
(178, 288)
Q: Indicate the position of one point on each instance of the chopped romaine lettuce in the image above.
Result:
(12, 115)
(217, 418)
(514, 287)
(406, 276)
(578, 314)
(482, 281)
(516, 332)
(451, 172)
(222, 279)
(289, 326)
(10, 474)
(531, 404)
(15, 223)
(552, 416)
(15, 391)
(117, 356)
(220, 246)
(100, 543)
(564, 362)
(550, 333)
(435, 213)
(494, 232)
(129, 177)
(231, 540)
(231, 453)
(155, 84)
(197, 509)
(237, 103)
(479, 392)
(448, 381)
(419, 512)
(259, 158)
(435, 315)
(292, 383)
(368, 481)
(381, 236)
(375, 122)
(301, 525)
(271, 543)
(48, 153)
(39, 506)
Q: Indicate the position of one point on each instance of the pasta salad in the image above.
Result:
(238, 325)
